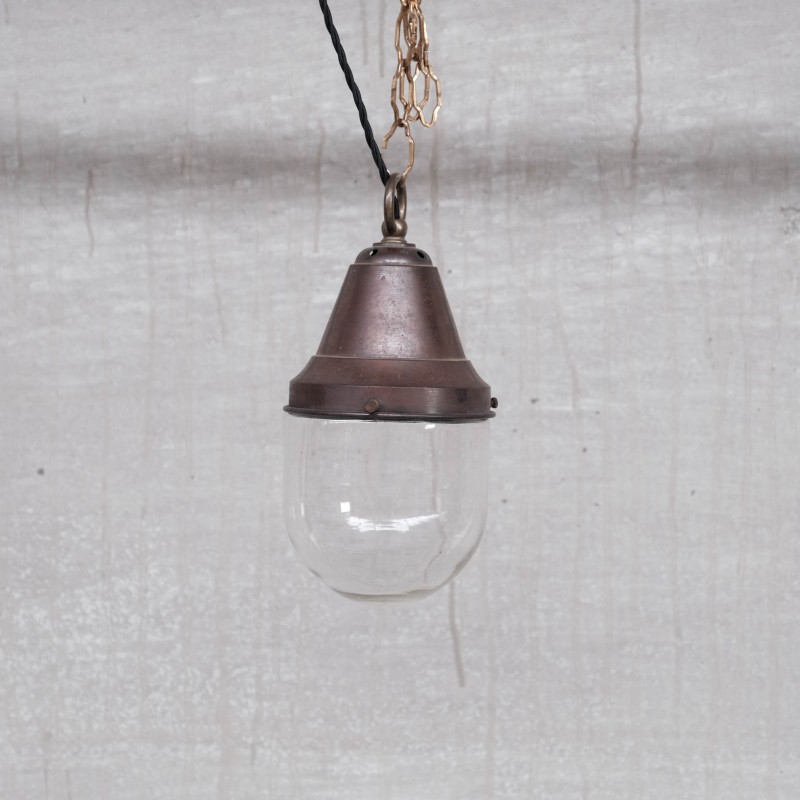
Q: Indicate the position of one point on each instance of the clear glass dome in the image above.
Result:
(385, 510)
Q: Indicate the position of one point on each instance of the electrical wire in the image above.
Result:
(353, 86)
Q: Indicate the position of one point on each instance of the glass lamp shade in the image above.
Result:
(383, 510)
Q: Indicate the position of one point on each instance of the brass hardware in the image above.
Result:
(394, 208)
(412, 31)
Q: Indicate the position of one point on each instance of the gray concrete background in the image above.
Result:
(612, 196)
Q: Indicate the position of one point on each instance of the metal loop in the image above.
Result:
(394, 207)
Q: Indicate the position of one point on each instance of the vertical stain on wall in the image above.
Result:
(714, 536)
(734, 663)
(259, 695)
(382, 45)
(8, 185)
(609, 327)
(212, 259)
(222, 628)
(147, 439)
(456, 637)
(491, 689)
(318, 187)
(365, 29)
(87, 207)
(672, 489)
(105, 505)
(638, 117)
(436, 215)
(777, 612)
(18, 134)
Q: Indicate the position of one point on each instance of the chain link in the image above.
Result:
(412, 46)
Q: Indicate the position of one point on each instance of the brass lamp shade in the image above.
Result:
(391, 350)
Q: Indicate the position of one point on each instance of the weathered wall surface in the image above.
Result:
(612, 195)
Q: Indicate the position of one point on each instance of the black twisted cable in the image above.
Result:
(351, 82)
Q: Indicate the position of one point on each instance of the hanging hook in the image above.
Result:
(394, 207)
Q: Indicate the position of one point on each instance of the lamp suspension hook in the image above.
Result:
(395, 200)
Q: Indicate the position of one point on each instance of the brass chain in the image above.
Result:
(412, 46)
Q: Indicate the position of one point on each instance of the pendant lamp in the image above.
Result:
(387, 430)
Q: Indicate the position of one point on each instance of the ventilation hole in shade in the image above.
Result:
(372, 252)
(420, 254)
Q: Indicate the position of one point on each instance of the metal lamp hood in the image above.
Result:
(391, 350)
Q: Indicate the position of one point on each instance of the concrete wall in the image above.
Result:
(612, 196)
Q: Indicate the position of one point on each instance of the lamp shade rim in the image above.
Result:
(388, 416)
(391, 349)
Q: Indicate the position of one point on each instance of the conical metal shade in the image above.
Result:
(391, 349)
